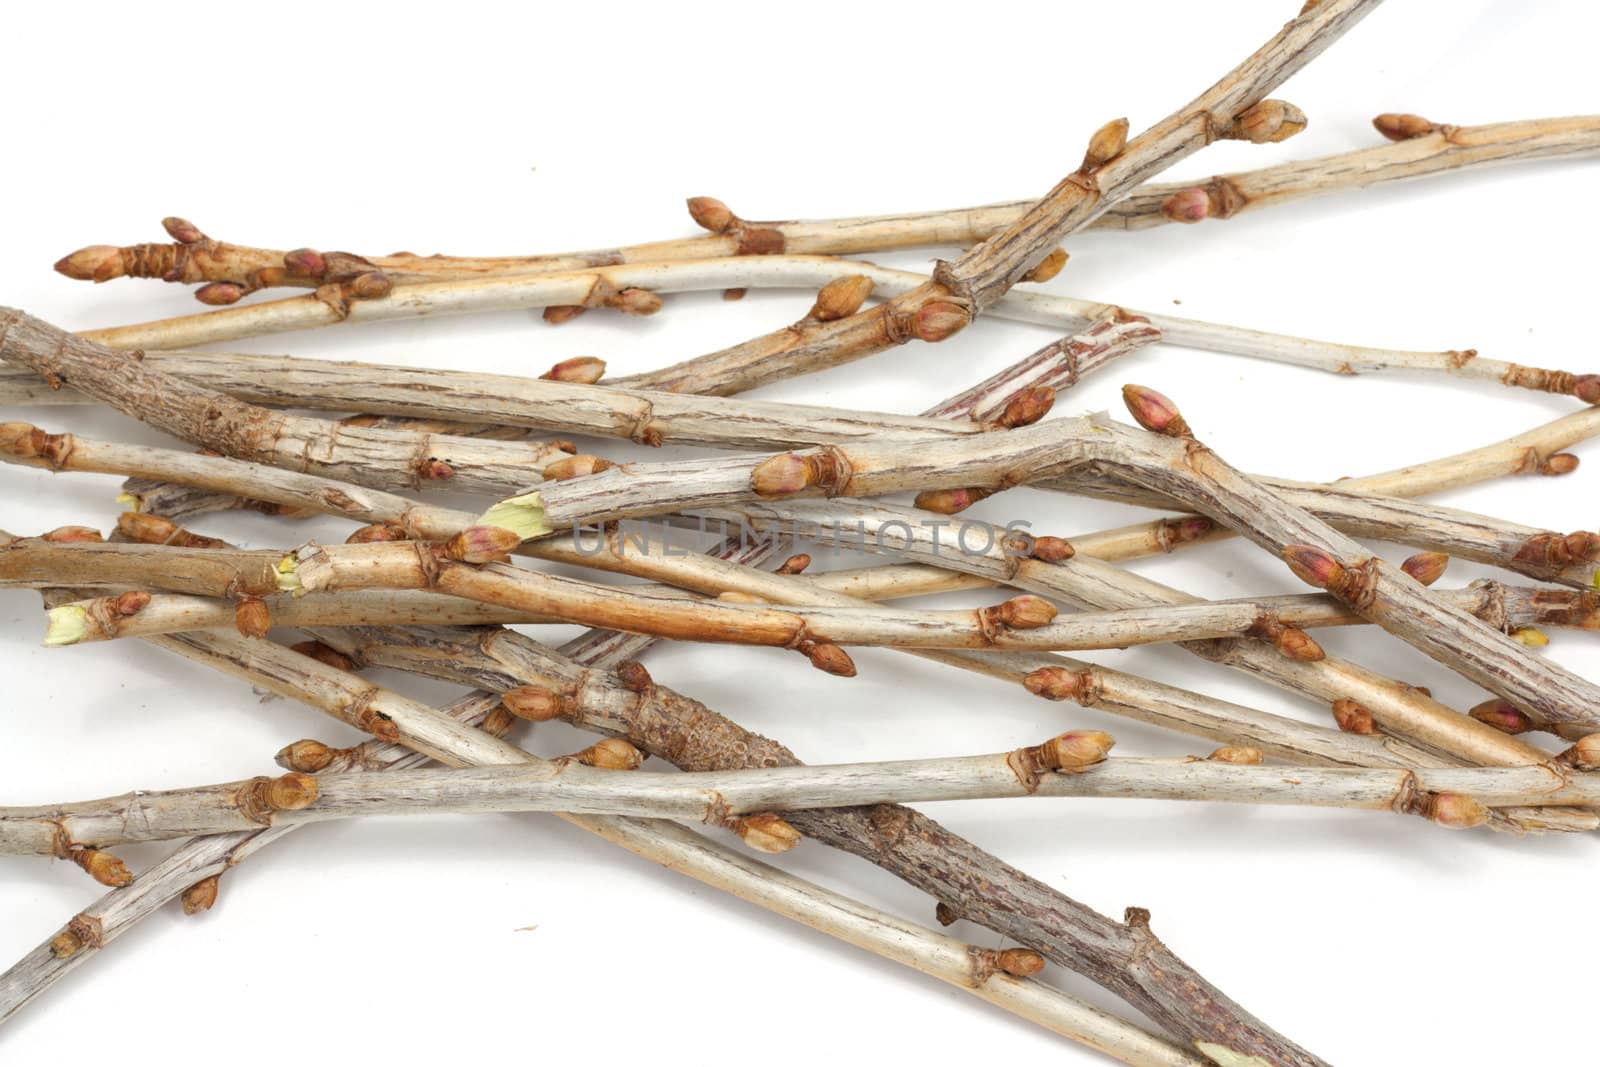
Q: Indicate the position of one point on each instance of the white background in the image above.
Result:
(479, 130)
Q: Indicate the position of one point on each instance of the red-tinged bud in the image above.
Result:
(791, 472)
(1192, 528)
(481, 544)
(434, 469)
(1585, 754)
(557, 314)
(130, 603)
(841, 298)
(67, 535)
(634, 677)
(103, 867)
(371, 285)
(1559, 464)
(829, 658)
(795, 564)
(1106, 144)
(766, 833)
(1027, 407)
(1057, 683)
(1020, 962)
(1269, 121)
(1587, 388)
(1400, 127)
(97, 263)
(581, 370)
(1048, 267)
(325, 655)
(307, 756)
(1079, 748)
(1313, 566)
(1353, 718)
(1154, 412)
(182, 230)
(378, 531)
(939, 319)
(576, 467)
(636, 302)
(1298, 645)
(712, 214)
(1503, 716)
(1187, 205)
(534, 703)
(1239, 755)
(305, 263)
(612, 754)
(1024, 612)
(1456, 811)
(1052, 549)
(252, 617)
(950, 501)
(1426, 567)
(219, 294)
(201, 896)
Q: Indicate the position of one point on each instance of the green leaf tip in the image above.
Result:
(522, 515)
(65, 625)
(1226, 1057)
(286, 575)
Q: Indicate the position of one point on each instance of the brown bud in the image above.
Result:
(795, 564)
(433, 469)
(498, 722)
(481, 544)
(155, 530)
(830, 658)
(66, 535)
(306, 755)
(1399, 127)
(1024, 612)
(611, 754)
(534, 703)
(1154, 412)
(1027, 407)
(1270, 121)
(96, 263)
(371, 285)
(576, 467)
(1079, 748)
(1558, 464)
(841, 298)
(580, 370)
(1456, 811)
(1503, 716)
(636, 302)
(791, 472)
(219, 294)
(201, 896)
(66, 943)
(252, 617)
(1241, 755)
(1052, 549)
(1586, 387)
(1426, 567)
(946, 915)
(1585, 754)
(556, 314)
(290, 792)
(1313, 566)
(1106, 144)
(734, 294)
(938, 319)
(1298, 645)
(1048, 267)
(1353, 718)
(182, 230)
(950, 501)
(1056, 683)
(634, 677)
(1187, 205)
(712, 214)
(1531, 636)
(103, 867)
(378, 531)
(766, 833)
(325, 655)
(1020, 962)
(305, 263)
